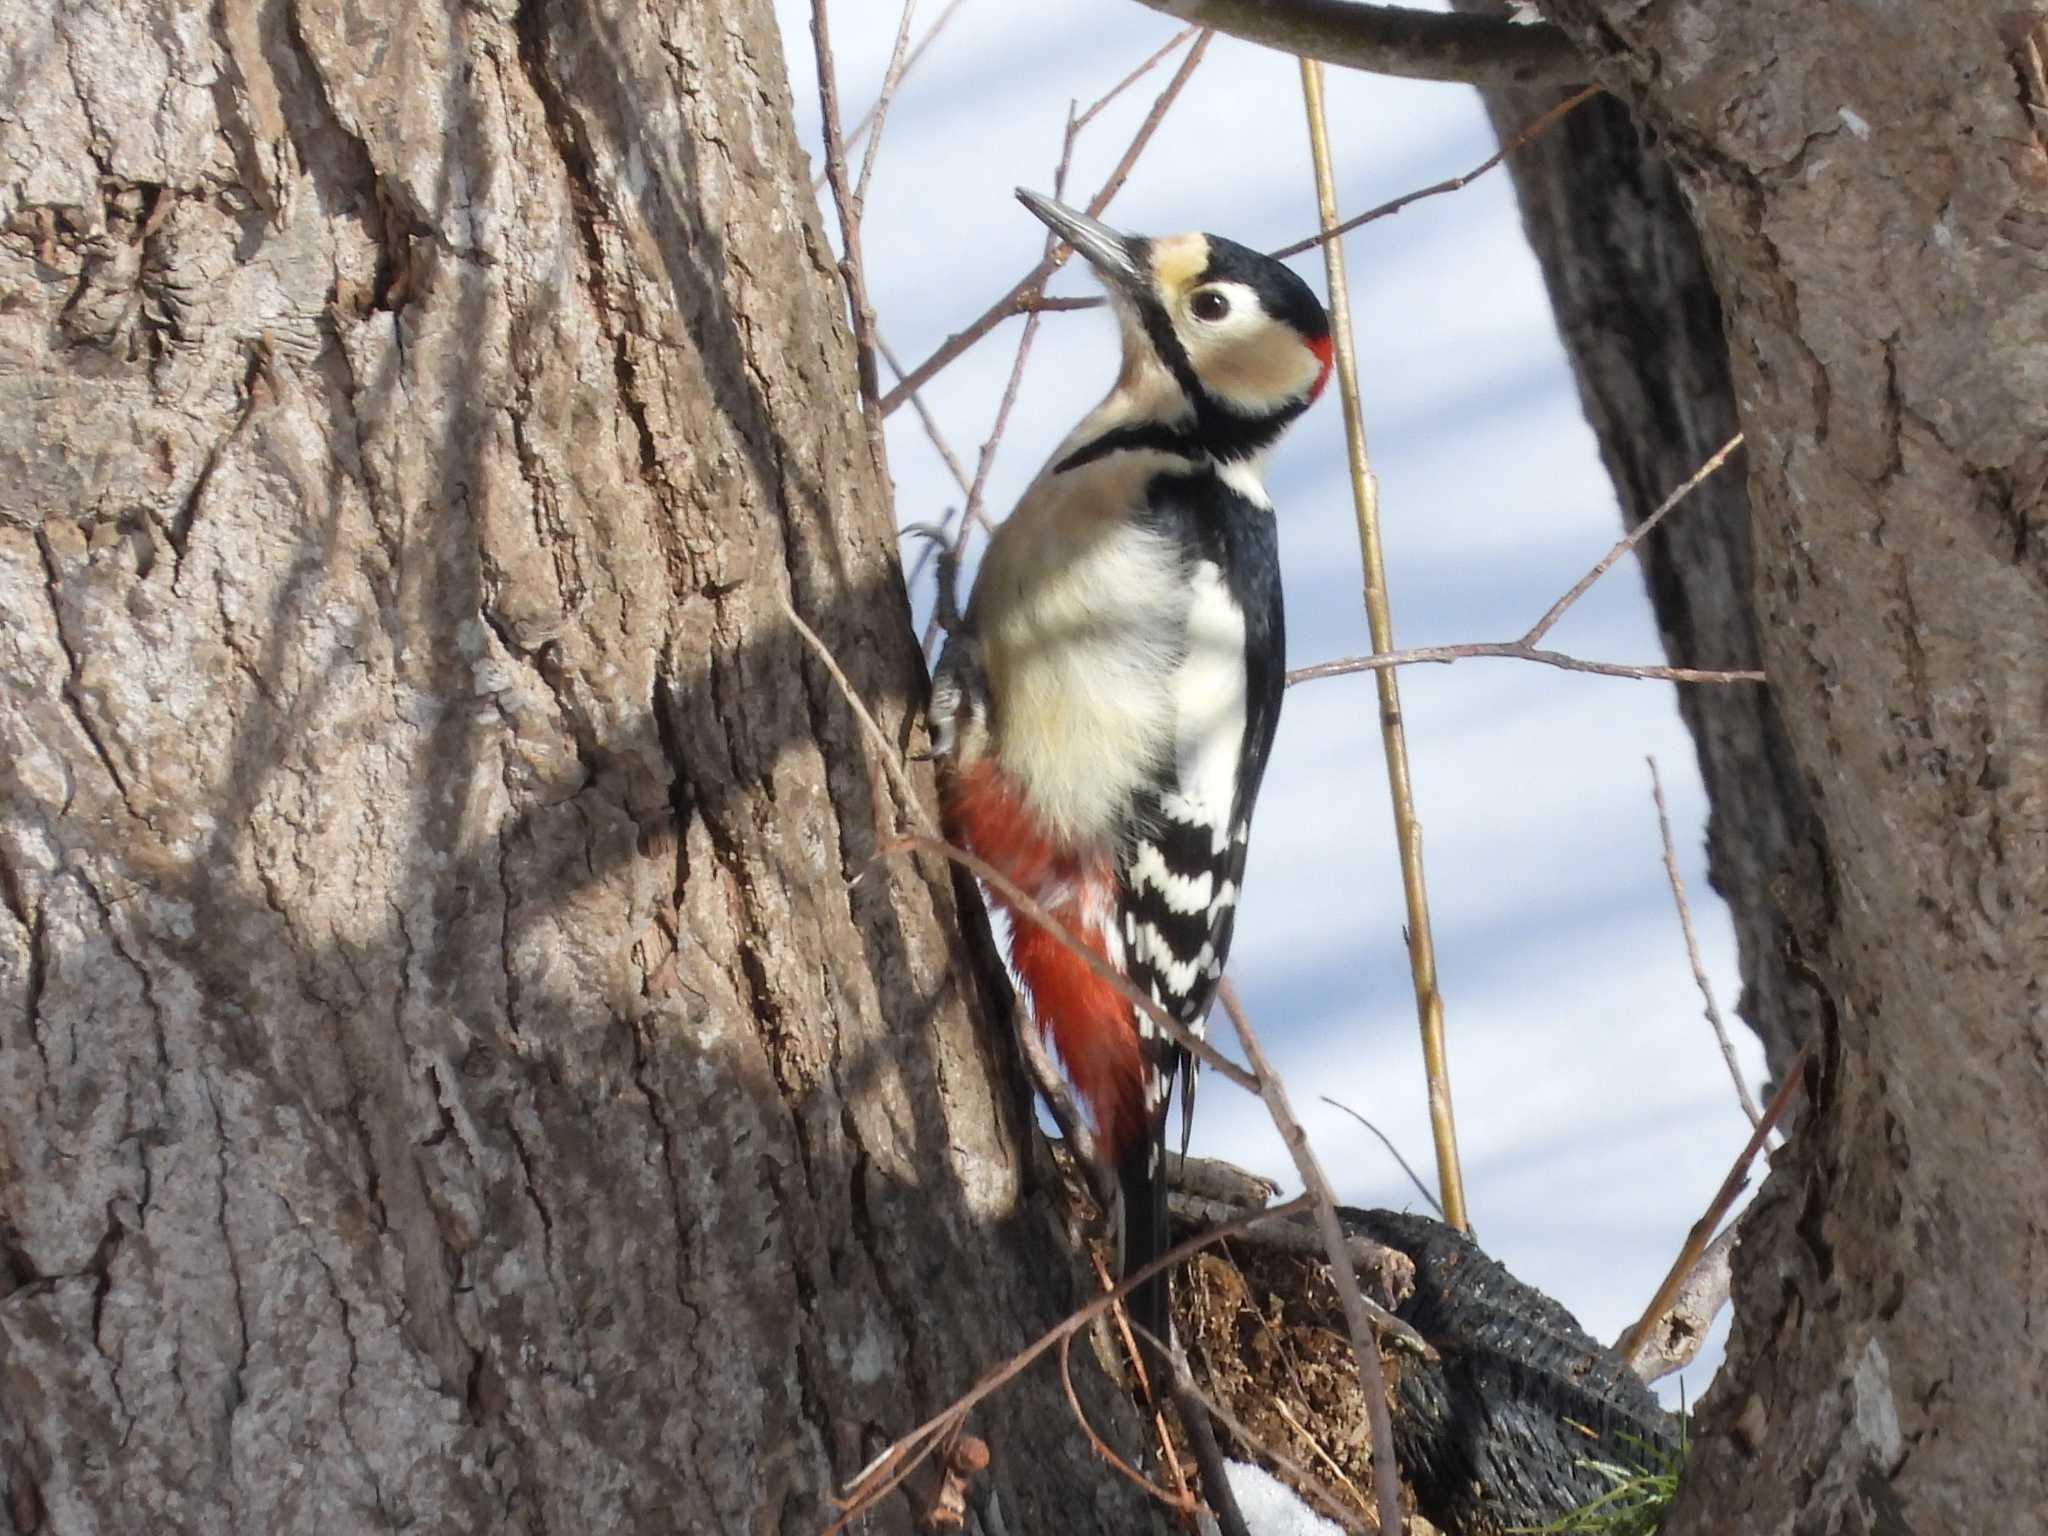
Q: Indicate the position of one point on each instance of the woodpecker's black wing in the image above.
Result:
(1180, 875)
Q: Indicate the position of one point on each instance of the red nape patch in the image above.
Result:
(1090, 1024)
(1326, 355)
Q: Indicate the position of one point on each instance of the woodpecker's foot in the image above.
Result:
(946, 569)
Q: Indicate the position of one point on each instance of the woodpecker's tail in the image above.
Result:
(1141, 1175)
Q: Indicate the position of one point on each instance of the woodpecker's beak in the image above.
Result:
(1113, 256)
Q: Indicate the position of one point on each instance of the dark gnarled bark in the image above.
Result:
(447, 1078)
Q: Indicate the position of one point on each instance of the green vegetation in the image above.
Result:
(1634, 1503)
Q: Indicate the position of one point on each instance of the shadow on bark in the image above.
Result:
(531, 1129)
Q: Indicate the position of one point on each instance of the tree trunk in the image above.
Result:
(448, 1075)
(1640, 321)
(1871, 188)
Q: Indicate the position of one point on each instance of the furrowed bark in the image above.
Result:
(447, 1075)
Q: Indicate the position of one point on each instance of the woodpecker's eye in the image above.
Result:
(1209, 304)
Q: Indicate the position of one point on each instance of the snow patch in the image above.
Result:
(1270, 1507)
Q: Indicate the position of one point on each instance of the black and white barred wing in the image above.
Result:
(1182, 869)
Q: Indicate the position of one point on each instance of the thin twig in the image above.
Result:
(1629, 541)
(1510, 650)
(898, 775)
(946, 456)
(930, 423)
(1024, 906)
(1372, 1381)
(1280, 1407)
(1702, 1231)
(881, 1475)
(1333, 1506)
(891, 78)
(850, 270)
(974, 512)
(1534, 129)
(1393, 1151)
(1182, 1503)
(1029, 285)
(1150, 63)
(1044, 1075)
(1692, 947)
(931, 34)
(1365, 496)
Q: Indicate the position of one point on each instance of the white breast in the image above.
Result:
(1083, 614)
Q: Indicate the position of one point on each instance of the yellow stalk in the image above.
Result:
(1429, 1003)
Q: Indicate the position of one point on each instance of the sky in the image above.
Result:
(1595, 1115)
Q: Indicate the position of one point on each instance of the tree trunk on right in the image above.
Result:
(1871, 189)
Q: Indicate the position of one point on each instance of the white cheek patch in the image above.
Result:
(1248, 359)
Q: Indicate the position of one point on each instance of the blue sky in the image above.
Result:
(1594, 1112)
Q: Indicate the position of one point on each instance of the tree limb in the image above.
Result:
(1395, 40)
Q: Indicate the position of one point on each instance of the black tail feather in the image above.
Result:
(1141, 1175)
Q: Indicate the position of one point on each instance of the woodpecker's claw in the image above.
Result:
(946, 571)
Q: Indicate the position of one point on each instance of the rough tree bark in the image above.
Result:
(1871, 188)
(448, 1078)
(1640, 321)
(1870, 185)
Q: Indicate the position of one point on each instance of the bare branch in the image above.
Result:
(1530, 131)
(867, 118)
(1182, 1502)
(1024, 906)
(930, 423)
(1184, 1383)
(950, 460)
(850, 270)
(1395, 40)
(1534, 129)
(891, 77)
(912, 801)
(1309, 1440)
(1386, 1473)
(974, 511)
(1044, 1075)
(1510, 650)
(1630, 540)
(1031, 283)
(882, 1475)
(1393, 1151)
(1692, 948)
(1151, 62)
(1674, 1341)
(1702, 1232)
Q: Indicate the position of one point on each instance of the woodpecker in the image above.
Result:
(1103, 712)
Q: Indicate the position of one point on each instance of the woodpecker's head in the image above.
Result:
(1237, 341)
